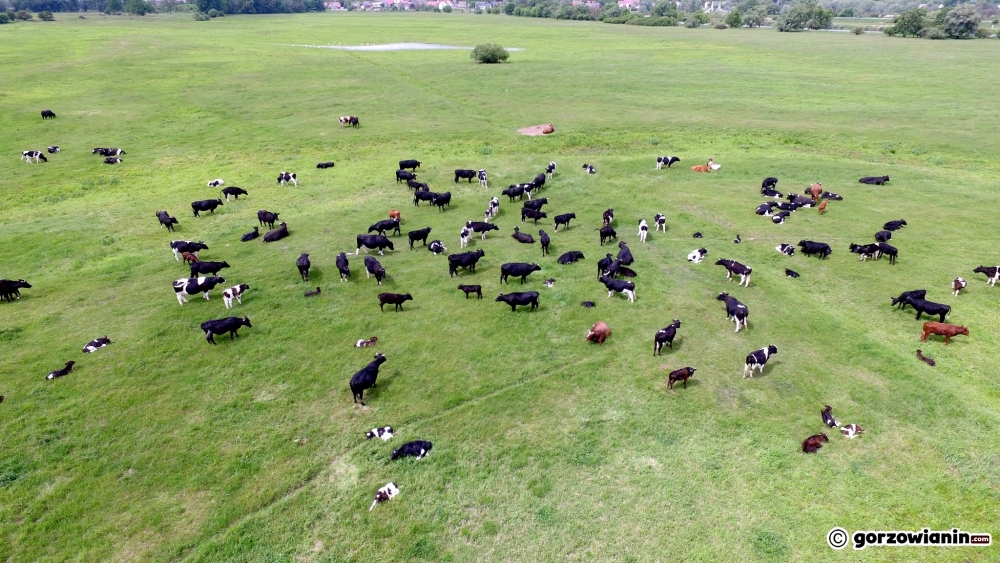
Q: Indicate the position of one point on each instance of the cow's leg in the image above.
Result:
(180, 299)
(205, 295)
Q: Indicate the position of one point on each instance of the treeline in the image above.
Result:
(141, 7)
(261, 6)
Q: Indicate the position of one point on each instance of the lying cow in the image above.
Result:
(875, 180)
(697, 255)
(598, 333)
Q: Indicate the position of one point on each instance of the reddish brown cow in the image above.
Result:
(394, 214)
(943, 329)
(189, 257)
(701, 168)
(682, 374)
(598, 333)
(816, 190)
(813, 443)
(822, 207)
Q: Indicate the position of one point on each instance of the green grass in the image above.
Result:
(546, 448)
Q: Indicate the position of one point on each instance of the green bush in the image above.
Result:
(857, 30)
(489, 53)
(933, 33)
(962, 21)
(24, 15)
(46, 16)
(982, 33)
(692, 23)
(446, 9)
(620, 20)
(721, 25)
(201, 16)
(651, 21)
(910, 22)
(4, 18)
(734, 18)
(213, 13)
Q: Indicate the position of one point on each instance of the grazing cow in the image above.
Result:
(851, 430)
(665, 336)
(266, 217)
(420, 195)
(465, 174)
(416, 448)
(216, 183)
(791, 273)
(643, 230)
(769, 182)
(436, 247)
(697, 255)
(822, 207)
(483, 176)
(866, 251)
(343, 267)
(625, 287)
(876, 180)
(564, 219)
(404, 176)
(418, 186)
(384, 433)
(786, 249)
(387, 492)
(477, 289)
(514, 190)
(482, 227)
(366, 378)
(889, 251)
(992, 273)
(52, 149)
(735, 311)
(883, 236)
(277, 234)
(815, 191)
(958, 285)
(543, 237)
(894, 225)
(466, 260)
(757, 359)
(62, 372)
(251, 235)
(366, 343)
(925, 359)
(96, 344)
(535, 204)
(112, 160)
(517, 269)
(374, 268)
(901, 301)
(179, 246)
(303, 265)
(522, 238)
(325, 165)
(780, 217)
(189, 257)
(47, 114)
(608, 217)
(37, 155)
(923, 306)
(527, 213)
(667, 161)
(607, 233)
(827, 415)
(943, 329)
(550, 169)
(598, 333)
(821, 249)
(396, 299)
(523, 298)
(372, 242)
(570, 257)
(734, 267)
(205, 205)
(813, 443)
(624, 254)
(285, 177)
(494, 208)
(234, 191)
(409, 165)
(385, 225)
(236, 292)
(193, 286)
(701, 168)
(682, 374)
(539, 181)
(345, 120)
(441, 200)
(419, 234)
(314, 293)
(166, 220)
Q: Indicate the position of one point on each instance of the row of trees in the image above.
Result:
(958, 22)
(142, 7)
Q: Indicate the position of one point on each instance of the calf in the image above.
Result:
(62, 372)
(889, 251)
(373, 268)
(477, 289)
(481, 227)
(851, 430)
(958, 285)
(436, 247)
(325, 165)
(786, 249)
(216, 183)
(285, 177)
(205, 205)
(193, 286)
(813, 443)
(735, 311)
(466, 260)
(660, 222)
(901, 301)
(213, 268)
(189, 257)
(236, 292)
(251, 235)
(822, 207)
(266, 217)
(550, 169)
(394, 214)
(697, 255)
(564, 219)
(524, 298)
(876, 180)
(769, 182)
(494, 207)
(820, 249)
(413, 184)
(894, 225)
(701, 168)
(942, 329)
(643, 230)
(385, 225)
(350, 121)
(482, 175)
(419, 234)
(343, 267)
(667, 161)
(992, 273)
(96, 344)
(387, 492)
(464, 236)
(791, 273)
(366, 343)
(52, 149)
(607, 233)
(682, 374)
(883, 236)
(277, 234)
(665, 336)
(734, 267)
(922, 306)
(442, 200)
(613, 285)
(47, 114)
(166, 220)
(925, 359)
(235, 192)
(314, 292)
(416, 448)
(522, 238)
(757, 359)
(303, 265)
(780, 217)
(589, 169)
(112, 160)
(544, 239)
(514, 190)
(409, 165)
(371, 242)
(517, 269)
(404, 176)
(866, 251)
(624, 254)
(570, 257)
(37, 155)
(365, 378)
(179, 246)
(465, 174)
(598, 333)
(527, 213)
(827, 415)
(396, 299)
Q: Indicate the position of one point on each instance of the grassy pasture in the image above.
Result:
(162, 448)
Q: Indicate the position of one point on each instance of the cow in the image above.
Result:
(419, 234)
(325, 165)
(958, 285)
(247, 237)
(466, 260)
(643, 230)
(813, 443)
(442, 200)
(373, 268)
(343, 266)
(616, 269)
(216, 183)
(52, 149)
(523, 298)
(607, 233)
(535, 204)
(701, 168)
(482, 227)
(494, 208)
(101, 151)
(851, 430)
(314, 293)
(416, 448)
(667, 161)
(514, 190)
(827, 415)
(780, 217)
(786, 249)
(589, 169)
(387, 492)
(598, 333)
(517, 269)
(477, 289)
(303, 265)
(371, 242)
(461, 174)
(815, 191)
(604, 264)
(285, 177)
(37, 155)
(112, 160)
(822, 207)
(769, 182)
(791, 273)
(875, 180)
(396, 299)
(665, 336)
(527, 213)
(277, 234)
(570, 257)
(189, 257)
(734, 267)
(832, 196)
(757, 359)
(883, 236)
(483, 176)
(624, 254)
(464, 236)
(62, 372)
(788, 206)
(47, 114)
(193, 286)
(522, 238)
(660, 222)
(385, 225)
(436, 247)
(608, 217)
(179, 246)
(268, 218)
(625, 287)
(901, 301)
(550, 169)
(564, 219)
(420, 195)
(682, 374)
(205, 205)
(942, 329)
(922, 306)
(207, 268)
(925, 359)
(865, 251)
(366, 378)
(894, 225)
(735, 311)
(889, 251)
(236, 292)
(697, 255)
(801, 201)
(768, 192)
(539, 181)
(235, 192)
(544, 239)
(821, 249)
(409, 165)
(166, 220)
(364, 344)
(345, 120)
(404, 176)
(9, 289)
(992, 273)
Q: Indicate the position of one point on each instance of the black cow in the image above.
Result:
(207, 268)
(366, 378)
(481, 227)
(564, 219)
(757, 359)
(386, 225)
(539, 181)
(624, 255)
(527, 213)
(543, 237)
(809, 248)
(535, 204)
(404, 176)
(607, 233)
(47, 114)
(419, 234)
(831, 195)
(409, 165)
(466, 260)
(373, 268)
(467, 174)
(514, 190)
(922, 306)
(441, 200)
(734, 267)
(613, 285)
(769, 182)
(251, 235)
(396, 299)
(889, 251)
(523, 298)
(665, 336)
(343, 266)
(266, 217)
(9, 289)
(222, 326)
(417, 186)
(325, 165)
(166, 220)
(516, 269)
(277, 234)
(522, 237)
(181, 246)
(901, 301)
(477, 289)
(570, 257)
(370, 242)
(788, 206)
(234, 191)
(419, 196)
(111, 160)
(205, 205)
(735, 311)
(52, 149)
(604, 264)
(61, 372)
(416, 448)
(791, 273)
(883, 236)
(768, 192)
(894, 225)
(876, 180)
(303, 265)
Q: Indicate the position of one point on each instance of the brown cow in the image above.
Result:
(701, 168)
(814, 443)
(822, 207)
(598, 333)
(943, 329)
(394, 214)
(816, 190)
(682, 374)
(189, 257)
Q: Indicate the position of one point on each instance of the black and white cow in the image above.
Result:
(625, 287)
(285, 177)
(37, 155)
(47, 114)
(112, 160)
(608, 217)
(570, 257)
(193, 286)
(462, 174)
(660, 222)
(365, 378)
(523, 298)
(992, 273)
(416, 448)
(236, 292)
(265, 217)
(735, 311)
(483, 176)
(786, 249)
(277, 234)
(517, 269)
(865, 251)
(384, 433)
(697, 255)
(96, 344)
(53, 149)
(550, 169)
(464, 236)
(381, 227)
(348, 120)
(667, 161)
(343, 266)
(212, 268)
(325, 165)
(765, 208)
(564, 219)
(181, 246)
(466, 260)
(481, 227)
(494, 208)
(234, 191)
(436, 247)
(101, 151)
(419, 234)
(372, 242)
(222, 326)
(734, 267)
(768, 192)
(757, 359)
(780, 217)
(303, 264)
(374, 268)
(166, 220)
(821, 249)
(665, 336)
(205, 205)
(216, 183)
(643, 230)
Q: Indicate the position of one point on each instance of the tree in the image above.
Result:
(821, 18)
(734, 19)
(113, 6)
(138, 7)
(664, 8)
(755, 16)
(46, 16)
(796, 18)
(940, 15)
(489, 53)
(910, 22)
(446, 9)
(962, 21)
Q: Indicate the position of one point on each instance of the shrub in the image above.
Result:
(617, 20)
(910, 22)
(857, 30)
(962, 21)
(982, 33)
(933, 33)
(651, 21)
(734, 18)
(721, 25)
(446, 9)
(24, 15)
(489, 53)
(46, 16)
(213, 13)
(4, 18)
(201, 16)
(692, 23)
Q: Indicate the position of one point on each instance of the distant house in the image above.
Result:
(461, 5)
(333, 5)
(631, 5)
(591, 5)
(576, 3)
(483, 5)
